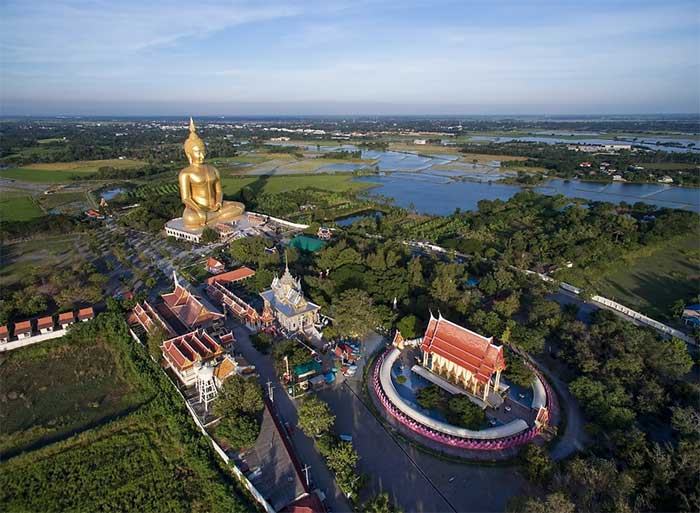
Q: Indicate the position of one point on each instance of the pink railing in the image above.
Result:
(431, 434)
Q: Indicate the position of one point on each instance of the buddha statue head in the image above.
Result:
(194, 146)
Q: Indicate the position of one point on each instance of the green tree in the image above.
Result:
(555, 502)
(315, 417)
(156, 337)
(343, 461)
(240, 431)
(535, 463)
(409, 327)
(209, 235)
(462, 412)
(517, 372)
(430, 397)
(355, 314)
(671, 359)
(239, 395)
(381, 503)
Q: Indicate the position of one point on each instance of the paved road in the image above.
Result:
(286, 409)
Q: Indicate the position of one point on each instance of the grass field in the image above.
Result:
(56, 172)
(58, 199)
(59, 387)
(50, 140)
(277, 184)
(18, 208)
(46, 253)
(651, 282)
(145, 455)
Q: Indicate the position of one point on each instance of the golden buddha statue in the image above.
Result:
(200, 189)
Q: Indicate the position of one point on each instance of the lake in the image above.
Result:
(441, 195)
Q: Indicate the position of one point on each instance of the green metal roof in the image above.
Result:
(306, 243)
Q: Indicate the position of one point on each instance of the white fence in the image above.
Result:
(648, 321)
(16, 344)
(280, 221)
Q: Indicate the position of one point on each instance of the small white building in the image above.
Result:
(420, 141)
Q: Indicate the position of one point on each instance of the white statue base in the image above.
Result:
(176, 228)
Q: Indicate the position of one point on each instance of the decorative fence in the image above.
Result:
(464, 443)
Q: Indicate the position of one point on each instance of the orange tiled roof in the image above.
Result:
(23, 327)
(463, 347)
(66, 317)
(3, 331)
(232, 276)
(224, 369)
(44, 322)
(86, 313)
(214, 263)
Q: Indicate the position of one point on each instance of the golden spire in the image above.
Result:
(193, 130)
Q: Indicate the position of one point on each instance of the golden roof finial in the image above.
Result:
(193, 129)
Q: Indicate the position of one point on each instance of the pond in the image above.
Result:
(441, 195)
(111, 193)
(367, 214)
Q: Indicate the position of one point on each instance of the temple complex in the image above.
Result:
(463, 358)
(285, 299)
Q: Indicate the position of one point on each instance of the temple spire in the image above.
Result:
(192, 127)
(286, 262)
(175, 279)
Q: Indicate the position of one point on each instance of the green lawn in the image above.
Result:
(652, 282)
(283, 183)
(57, 199)
(18, 208)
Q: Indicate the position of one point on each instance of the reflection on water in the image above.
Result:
(653, 143)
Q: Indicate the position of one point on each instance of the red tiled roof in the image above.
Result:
(66, 317)
(463, 347)
(44, 322)
(86, 313)
(232, 276)
(3, 331)
(183, 351)
(187, 308)
(309, 503)
(23, 327)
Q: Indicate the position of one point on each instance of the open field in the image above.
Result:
(651, 282)
(59, 387)
(86, 166)
(58, 199)
(312, 165)
(55, 172)
(147, 458)
(47, 254)
(50, 140)
(18, 208)
(276, 184)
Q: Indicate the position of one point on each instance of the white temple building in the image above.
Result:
(291, 309)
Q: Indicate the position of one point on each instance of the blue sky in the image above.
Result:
(348, 57)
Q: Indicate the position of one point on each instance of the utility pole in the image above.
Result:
(306, 473)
